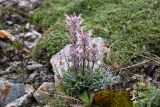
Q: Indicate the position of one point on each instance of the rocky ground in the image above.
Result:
(26, 81)
(22, 80)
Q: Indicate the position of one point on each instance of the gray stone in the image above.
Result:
(34, 67)
(39, 35)
(4, 44)
(10, 92)
(20, 101)
(33, 76)
(30, 35)
(39, 76)
(10, 22)
(7, 3)
(29, 4)
(43, 92)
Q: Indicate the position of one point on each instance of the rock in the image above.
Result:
(60, 60)
(29, 4)
(34, 67)
(33, 76)
(30, 35)
(46, 76)
(31, 45)
(3, 60)
(40, 76)
(31, 38)
(43, 92)
(7, 3)
(5, 35)
(9, 22)
(4, 44)
(39, 35)
(20, 101)
(24, 4)
(28, 25)
(35, 4)
(13, 66)
(18, 79)
(10, 92)
(76, 105)
(47, 106)
(5, 73)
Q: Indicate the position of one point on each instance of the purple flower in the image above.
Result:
(94, 53)
(74, 22)
(81, 51)
(84, 39)
(83, 42)
(74, 53)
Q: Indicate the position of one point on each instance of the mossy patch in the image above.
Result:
(133, 25)
(110, 98)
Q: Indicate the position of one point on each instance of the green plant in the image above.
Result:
(146, 95)
(54, 41)
(17, 45)
(82, 74)
(89, 81)
(86, 98)
(61, 99)
(134, 23)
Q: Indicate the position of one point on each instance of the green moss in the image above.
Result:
(53, 10)
(132, 24)
(109, 98)
(54, 40)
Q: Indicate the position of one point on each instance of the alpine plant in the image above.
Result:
(82, 52)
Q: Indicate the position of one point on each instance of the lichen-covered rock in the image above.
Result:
(5, 35)
(110, 98)
(43, 92)
(24, 100)
(10, 92)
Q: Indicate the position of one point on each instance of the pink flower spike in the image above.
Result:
(74, 22)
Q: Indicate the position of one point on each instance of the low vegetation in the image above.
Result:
(131, 25)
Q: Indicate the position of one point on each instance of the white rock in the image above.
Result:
(23, 3)
(34, 67)
(30, 35)
(63, 55)
(47, 106)
(28, 25)
(36, 33)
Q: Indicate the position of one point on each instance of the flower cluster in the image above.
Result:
(74, 22)
(84, 57)
(82, 52)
